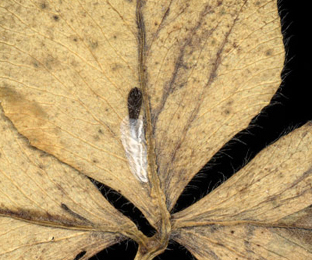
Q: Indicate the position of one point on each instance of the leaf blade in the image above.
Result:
(40, 196)
(66, 89)
(246, 241)
(269, 198)
(49, 243)
(216, 65)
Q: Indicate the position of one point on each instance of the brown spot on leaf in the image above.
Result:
(35, 64)
(93, 44)
(227, 111)
(96, 138)
(304, 134)
(116, 66)
(213, 228)
(29, 118)
(230, 102)
(21, 105)
(51, 62)
(43, 5)
(56, 18)
(269, 52)
(60, 188)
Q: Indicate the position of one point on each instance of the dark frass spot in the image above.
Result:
(43, 6)
(134, 103)
(56, 17)
(80, 255)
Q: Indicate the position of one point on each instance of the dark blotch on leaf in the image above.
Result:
(80, 255)
(64, 206)
(134, 103)
(56, 17)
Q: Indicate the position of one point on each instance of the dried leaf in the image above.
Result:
(86, 56)
(262, 212)
(138, 95)
(22, 240)
(47, 205)
(215, 64)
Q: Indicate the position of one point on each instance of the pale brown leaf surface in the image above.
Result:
(54, 200)
(246, 242)
(67, 69)
(197, 46)
(23, 241)
(205, 69)
(264, 210)
(213, 66)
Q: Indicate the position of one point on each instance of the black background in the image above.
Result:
(290, 108)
